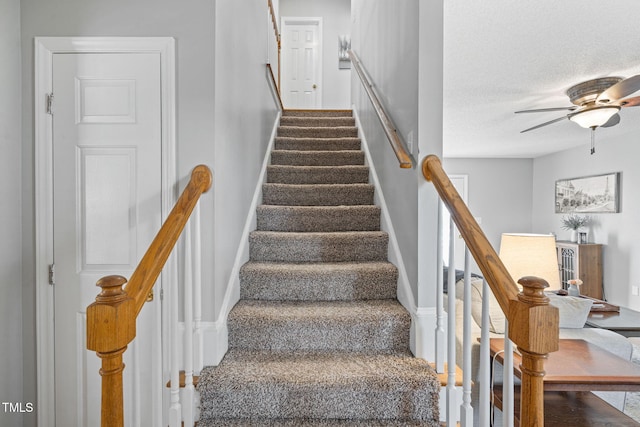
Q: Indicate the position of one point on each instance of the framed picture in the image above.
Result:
(589, 194)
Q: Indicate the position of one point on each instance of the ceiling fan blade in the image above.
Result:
(541, 110)
(614, 120)
(544, 124)
(621, 89)
(630, 102)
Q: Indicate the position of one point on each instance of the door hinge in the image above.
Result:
(50, 103)
(52, 274)
(161, 294)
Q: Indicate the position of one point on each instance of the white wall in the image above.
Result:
(619, 233)
(335, 21)
(11, 367)
(500, 194)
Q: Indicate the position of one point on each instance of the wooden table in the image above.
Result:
(580, 366)
(577, 368)
(571, 408)
(626, 322)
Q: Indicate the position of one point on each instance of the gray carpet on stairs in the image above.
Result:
(318, 337)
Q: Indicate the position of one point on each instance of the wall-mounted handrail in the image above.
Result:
(275, 85)
(533, 323)
(398, 145)
(111, 319)
(274, 21)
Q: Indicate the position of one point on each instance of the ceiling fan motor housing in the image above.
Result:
(587, 92)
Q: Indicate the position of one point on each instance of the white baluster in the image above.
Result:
(466, 410)
(188, 391)
(175, 410)
(440, 333)
(198, 350)
(484, 400)
(452, 398)
(507, 382)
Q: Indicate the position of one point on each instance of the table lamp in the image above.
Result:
(531, 255)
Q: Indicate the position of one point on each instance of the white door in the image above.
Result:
(301, 62)
(107, 209)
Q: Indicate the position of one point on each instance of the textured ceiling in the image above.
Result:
(501, 56)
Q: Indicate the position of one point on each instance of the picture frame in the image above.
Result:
(588, 194)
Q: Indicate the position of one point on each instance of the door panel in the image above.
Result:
(107, 209)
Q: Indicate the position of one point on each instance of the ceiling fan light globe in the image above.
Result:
(594, 117)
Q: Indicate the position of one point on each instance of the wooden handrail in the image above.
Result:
(533, 323)
(273, 80)
(404, 158)
(111, 319)
(274, 21)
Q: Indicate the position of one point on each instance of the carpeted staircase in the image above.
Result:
(318, 337)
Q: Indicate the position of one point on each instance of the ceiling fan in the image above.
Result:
(596, 103)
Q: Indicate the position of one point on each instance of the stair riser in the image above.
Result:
(317, 158)
(317, 121)
(312, 218)
(335, 283)
(317, 247)
(302, 404)
(318, 174)
(317, 113)
(315, 144)
(317, 195)
(318, 132)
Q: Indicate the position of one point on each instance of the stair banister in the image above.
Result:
(399, 147)
(111, 319)
(533, 323)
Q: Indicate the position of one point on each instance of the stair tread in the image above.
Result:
(318, 281)
(332, 369)
(293, 174)
(317, 157)
(358, 311)
(333, 385)
(305, 422)
(318, 218)
(317, 194)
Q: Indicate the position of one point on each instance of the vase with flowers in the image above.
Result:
(574, 223)
(574, 289)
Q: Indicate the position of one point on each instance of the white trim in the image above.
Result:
(307, 20)
(405, 295)
(45, 48)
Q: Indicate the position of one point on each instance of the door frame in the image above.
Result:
(309, 20)
(45, 48)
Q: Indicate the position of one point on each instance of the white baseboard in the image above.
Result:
(422, 320)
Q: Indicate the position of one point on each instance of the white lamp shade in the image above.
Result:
(531, 255)
(594, 117)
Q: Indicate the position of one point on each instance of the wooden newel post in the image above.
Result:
(111, 326)
(533, 327)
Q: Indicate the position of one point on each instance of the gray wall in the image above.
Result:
(224, 112)
(245, 112)
(11, 366)
(500, 193)
(385, 37)
(619, 233)
(335, 21)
